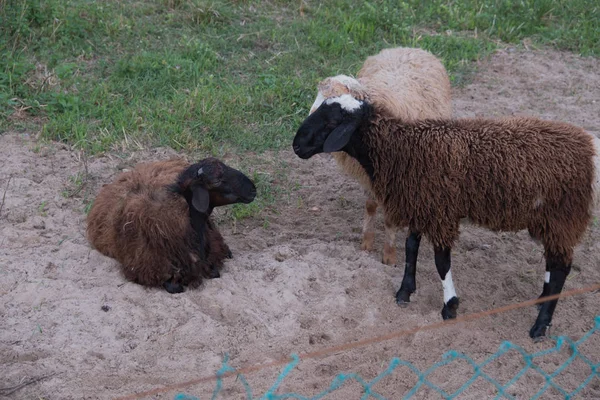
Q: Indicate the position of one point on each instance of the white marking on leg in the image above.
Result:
(318, 101)
(448, 285)
(347, 102)
(547, 277)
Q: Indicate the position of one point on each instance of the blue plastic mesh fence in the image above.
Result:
(529, 363)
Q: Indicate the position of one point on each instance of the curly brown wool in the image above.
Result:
(146, 220)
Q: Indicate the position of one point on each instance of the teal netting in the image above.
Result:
(529, 361)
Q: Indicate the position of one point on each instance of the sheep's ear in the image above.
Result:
(200, 199)
(339, 137)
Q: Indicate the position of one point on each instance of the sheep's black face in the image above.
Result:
(225, 185)
(232, 187)
(329, 128)
(210, 183)
(316, 128)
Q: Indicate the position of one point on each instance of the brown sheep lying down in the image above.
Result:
(506, 174)
(155, 220)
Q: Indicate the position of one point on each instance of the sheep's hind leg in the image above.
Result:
(389, 247)
(559, 270)
(409, 284)
(442, 263)
(368, 232)
(546, 289)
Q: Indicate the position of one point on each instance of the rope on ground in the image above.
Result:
(227, 371)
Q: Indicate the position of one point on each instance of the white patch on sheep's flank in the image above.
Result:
(547, 277)
(318, 101)
(347, 102)
(448, 286)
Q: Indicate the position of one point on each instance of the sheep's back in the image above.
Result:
(527, 166)
(156, 174)
(409, 83)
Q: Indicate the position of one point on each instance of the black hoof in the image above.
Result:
(450, 309)
(403, 298)
(538, 331)
(402, 303)
(173, 287)
(214, 273)
(229, 254)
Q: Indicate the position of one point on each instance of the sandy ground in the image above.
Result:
(297, 283)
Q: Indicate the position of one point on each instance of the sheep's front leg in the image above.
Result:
(559, 270)
(442, 263)
(409, 284)
(368, 232)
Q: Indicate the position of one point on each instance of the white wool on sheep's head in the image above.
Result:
(346, 101)
(318, 101)
(333, 87)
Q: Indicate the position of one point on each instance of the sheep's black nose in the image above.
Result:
(249, 196)
(296, 148)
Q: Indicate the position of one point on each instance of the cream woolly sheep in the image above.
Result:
(505, 174)
(410, 84)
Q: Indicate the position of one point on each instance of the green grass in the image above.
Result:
(42, 208)
(217, 75)
(212, 77)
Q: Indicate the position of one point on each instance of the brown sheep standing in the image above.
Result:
(506, 174)
(409, 83)
(155, 220)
